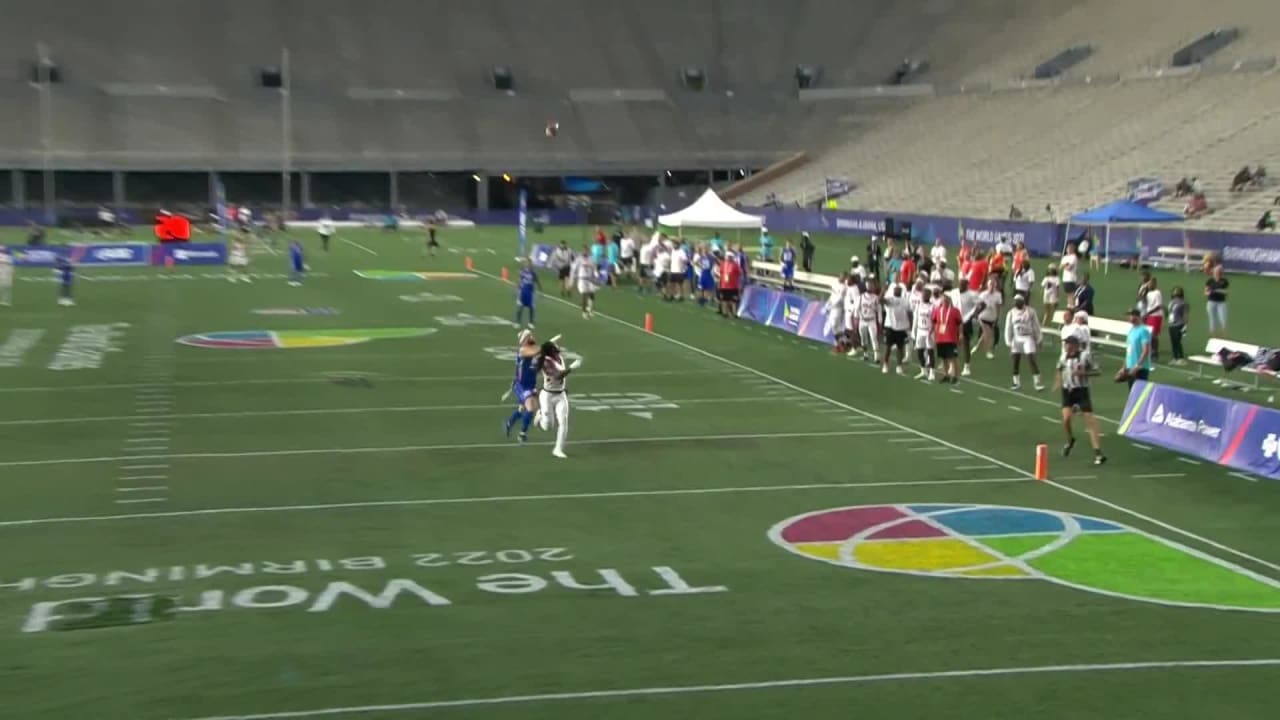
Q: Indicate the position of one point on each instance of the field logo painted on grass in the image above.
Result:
(408, 276)
(996, 542)
(17, 345)
(86, 346)
(295, 311)
(295, 339)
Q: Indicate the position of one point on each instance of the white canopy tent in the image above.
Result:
(709, 211)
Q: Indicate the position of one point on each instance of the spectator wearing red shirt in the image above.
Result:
(907, 275)
(977, 275)
(729, 277)
(601, 239)
(947, 321)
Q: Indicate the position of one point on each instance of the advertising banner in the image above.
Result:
(1222, 431)
(541, 255)
(795, 314)
(105, 255)
(190, 254)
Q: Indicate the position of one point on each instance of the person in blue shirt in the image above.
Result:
(1137, 352)
(788, 266)
(717, 245)
(528, 286)
(706, 276)
(766, 244)
(611, 262)
(297, 263)
(524, 386)
(65, 273)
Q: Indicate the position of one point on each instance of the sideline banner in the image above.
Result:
(1222, 431)
(794, 314)
(190, 254)
(105, 255)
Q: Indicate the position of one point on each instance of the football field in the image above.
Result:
(240, 500)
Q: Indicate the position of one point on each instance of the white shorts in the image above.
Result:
(924, 342)
(1023, 346)
(238, 261)
(585, 287)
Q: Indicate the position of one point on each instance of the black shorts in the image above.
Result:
(563, 273)
(1069, 287)
(1141, 374)
(989, 324)
(729, 295)
(966, 331)
(947, 351)
(895, 338)
(1077, 398)
(431, 242)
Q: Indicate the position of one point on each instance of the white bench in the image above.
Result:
(1210, 357)
(1104, 331)
(1178, 256)
(769, 273)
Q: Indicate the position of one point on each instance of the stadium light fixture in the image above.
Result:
(475, 177)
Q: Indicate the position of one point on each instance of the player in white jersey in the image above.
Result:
(553, 405)
(585, 274)
(1052, 285)
(922, 336)
(834, 312)
(869, 310)
(326, 229)
(1022, 334)
(662, 270)
(679, 267)
(1076, 325)
(627, 253)
(238, 260)
(967, 301)
(6, 277)
(897, 325)
(989, 302)
(852, 299)
(647, 278)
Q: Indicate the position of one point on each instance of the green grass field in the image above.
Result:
(747, 526)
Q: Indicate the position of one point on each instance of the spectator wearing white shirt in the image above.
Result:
(662, 270)
(679, 268)
(1070, 266)
(627, 252)
(1052, 292)
(1076, 325)
(648, 254)
(897, 324)
(989, 302)
(1023, 280)
(967, 301)
(938, 253)
(325, 228)
(1151, 305)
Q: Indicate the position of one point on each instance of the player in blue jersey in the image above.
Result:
(706, 263)
(527, 287)
(789, 266)
(525, 385)
(66, 274)
(297, 263)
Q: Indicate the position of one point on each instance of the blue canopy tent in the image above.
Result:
(1120, 212)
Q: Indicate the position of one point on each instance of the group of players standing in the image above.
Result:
(713, 272)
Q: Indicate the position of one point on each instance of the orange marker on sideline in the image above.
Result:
(1042, 462)
(168, 262)
(470, 264)
(648, 322)
(506, 276)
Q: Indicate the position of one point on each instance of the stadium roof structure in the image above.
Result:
(709, 211)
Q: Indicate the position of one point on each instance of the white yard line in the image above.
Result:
(1188, 461)
(1244, 476)
(1152, 476)
(987, 400)
(358, 245)
(510, 444)
(267, 509)
(789, 683)
(1065, 488)
(232, 382)
(141, 488)
(143, 477)
(975, 467)
(138, 500)
(335, 411)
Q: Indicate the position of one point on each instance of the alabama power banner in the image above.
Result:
(1223, 431)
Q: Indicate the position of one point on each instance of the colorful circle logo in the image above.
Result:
(996, 542)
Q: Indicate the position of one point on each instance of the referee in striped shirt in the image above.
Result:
(1074, 370)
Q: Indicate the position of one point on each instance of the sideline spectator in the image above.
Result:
(1198, 206)
(1259, 177)
(1082, 298)
(1070, 266)
(1137, 354)
(1266, 222)
(806, 251)
(1183, 188)
(1177, 326)
(1151, 304)
(1215, 294)
(35, 234)
(1241, 180)
(1015, 213)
